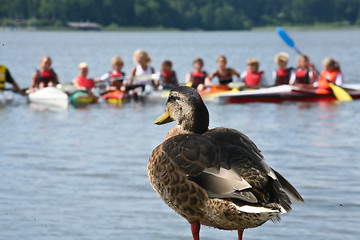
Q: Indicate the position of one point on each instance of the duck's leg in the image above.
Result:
(240, 234)
(195, 230)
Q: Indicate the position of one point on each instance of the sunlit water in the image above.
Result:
(81, 174)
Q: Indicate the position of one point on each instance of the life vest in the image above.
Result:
(168, 80)
(2, 76)
(302, 76)
(225, 79)
(46, 77)
(323, 84)
(86, 82)
(117, 78)
(253, 79)
(283, 76)
(198, 78)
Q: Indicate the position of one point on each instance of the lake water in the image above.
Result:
(81, 173)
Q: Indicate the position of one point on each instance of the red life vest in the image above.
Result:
(86, 82)
(283, 76)
(46, 77)
(302, 76)
(253, 79)
(117, 75)
(197, 78)
(168, 76)
(225, 79)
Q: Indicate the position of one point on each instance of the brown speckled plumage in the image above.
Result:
(207, 176)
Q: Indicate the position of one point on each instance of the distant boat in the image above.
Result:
(84, 25)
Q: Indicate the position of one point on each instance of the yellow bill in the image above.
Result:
(164, 118)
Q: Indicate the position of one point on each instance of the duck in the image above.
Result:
(214, 177)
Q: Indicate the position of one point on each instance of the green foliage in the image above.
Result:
(182, 14)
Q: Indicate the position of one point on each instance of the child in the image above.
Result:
(252, 76)
(283, 75)
(142, 68)
(331, 72)
(81, 82)
(197, 77)
(115, 78)
(224, 74)
(45, 76)
(168, 78)
(305, 71)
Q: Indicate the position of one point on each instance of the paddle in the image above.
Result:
(338, 91)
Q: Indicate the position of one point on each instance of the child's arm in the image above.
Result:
(233, 72)
(33, 82)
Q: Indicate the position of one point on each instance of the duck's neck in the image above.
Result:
(198, 123)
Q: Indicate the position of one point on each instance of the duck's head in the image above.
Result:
(186, 107)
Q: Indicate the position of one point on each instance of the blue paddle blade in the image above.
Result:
(285, 37)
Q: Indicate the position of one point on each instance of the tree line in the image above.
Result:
(182, 14)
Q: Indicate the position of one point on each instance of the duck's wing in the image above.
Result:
(224, 170)
(231, 138)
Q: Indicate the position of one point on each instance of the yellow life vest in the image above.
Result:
(2, 76)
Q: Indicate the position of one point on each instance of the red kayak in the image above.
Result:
(280, 94)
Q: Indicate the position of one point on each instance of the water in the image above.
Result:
(81, 174)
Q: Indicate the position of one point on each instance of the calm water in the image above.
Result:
(81, 174)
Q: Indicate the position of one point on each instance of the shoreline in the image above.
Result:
(162, 29)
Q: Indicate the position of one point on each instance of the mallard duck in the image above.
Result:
(216, 177)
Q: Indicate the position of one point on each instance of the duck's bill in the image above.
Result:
(164, 118)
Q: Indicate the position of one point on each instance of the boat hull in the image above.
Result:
(280, 94)
(116, 97)
(82, 98)
(50, 96)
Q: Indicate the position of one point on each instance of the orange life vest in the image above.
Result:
(323, 84)
(86, 82)
(253, 79)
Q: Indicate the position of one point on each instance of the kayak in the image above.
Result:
(116, 97)
(50, 96)
(81, 98)
(282, 93)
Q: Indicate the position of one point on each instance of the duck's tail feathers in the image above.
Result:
(293, 194)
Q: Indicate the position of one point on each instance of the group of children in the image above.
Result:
(142, 74)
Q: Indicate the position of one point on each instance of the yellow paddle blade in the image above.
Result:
(340, 93)
(189, 84)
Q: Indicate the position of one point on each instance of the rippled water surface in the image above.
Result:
(81, 173)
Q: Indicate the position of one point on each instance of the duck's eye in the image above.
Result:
(173, 98)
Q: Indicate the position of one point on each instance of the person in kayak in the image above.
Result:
(305, 72)
(5, 77)
(81, 82)
(45, 76)
(197, 78)
(115, 78)
(224, 74)
(332, 73)
(168, 78)
(252, 76)
(142, 68)
(283, 74)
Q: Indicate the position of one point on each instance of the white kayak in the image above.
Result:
(50, 96)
